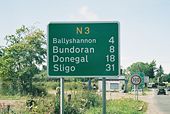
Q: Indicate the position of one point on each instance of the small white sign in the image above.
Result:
(146, 79)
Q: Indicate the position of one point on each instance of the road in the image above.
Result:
(162, 102)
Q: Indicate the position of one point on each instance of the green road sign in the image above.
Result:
(142, 84)
(83, 49)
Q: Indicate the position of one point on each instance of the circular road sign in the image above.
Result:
(136, 79)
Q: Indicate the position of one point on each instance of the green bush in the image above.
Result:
(52, 85)
(79, 103)
(43, 105)
(7, 89)
(90, 99)
(57, 105)
(71, 109)
(38, 89)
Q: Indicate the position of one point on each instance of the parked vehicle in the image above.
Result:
(152, 85)
(161, 91)
(168, 88)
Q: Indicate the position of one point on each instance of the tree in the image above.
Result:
(147, 68)
(137, 67)
(151, 69)
(166, 78)
(159, 73)
(22, 58)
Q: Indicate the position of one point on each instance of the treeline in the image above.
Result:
(23, 62)
(149, 69)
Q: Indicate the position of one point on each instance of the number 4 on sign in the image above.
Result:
(111, 40)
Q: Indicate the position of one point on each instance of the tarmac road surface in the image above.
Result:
(163, 102)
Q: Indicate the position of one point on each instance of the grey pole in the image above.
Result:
(104, 95)
(61, 95)
(137, 91)
(89, 84)
(134, 91)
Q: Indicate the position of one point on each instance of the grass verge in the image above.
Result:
(121, 106)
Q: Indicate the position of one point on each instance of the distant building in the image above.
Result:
(115, 83)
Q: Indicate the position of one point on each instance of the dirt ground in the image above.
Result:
(12, 104)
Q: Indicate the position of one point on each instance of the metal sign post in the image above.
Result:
(104, 95)
(134, 86)
(136, 80)
(137, 92)
(61, 95)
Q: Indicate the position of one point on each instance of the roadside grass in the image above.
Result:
(51, 85)
(121, 106)
(12, 97)
(73, 86)
(146, 89)
(67, 85)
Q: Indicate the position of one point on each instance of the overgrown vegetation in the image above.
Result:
(41, 105)
(21, 59)
(121, 106)
(80, 102)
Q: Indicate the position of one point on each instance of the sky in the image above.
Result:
(144, 24)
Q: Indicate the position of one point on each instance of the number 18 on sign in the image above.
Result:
(83, 49)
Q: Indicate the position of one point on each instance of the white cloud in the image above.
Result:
(85, 14)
